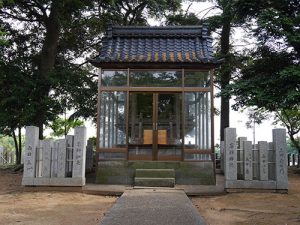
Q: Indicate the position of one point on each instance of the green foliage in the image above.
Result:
(62, 126)
(269, 81)
(2, 40)
(290, 118)
(255, 117)
(7, 142)
(49, 38)
(182, 18)
(291, 147)
(270, 77)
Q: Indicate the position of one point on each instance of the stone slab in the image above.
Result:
(253, 184)
(31, 145)
(54, 158)
(241, 141)
(41, 181)
(39, 160)
(186, 173)
(69, 149)
(230, 154)
(61, 160)
(156, 173)
(263, 160)
(27, 181)
(154, 182)
(47, 146)
(163, 207)
(248, 162)
(99, 189)
(89, 155)
(280, 148)
(79, 153)
(67, 181)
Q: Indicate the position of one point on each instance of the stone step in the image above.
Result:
(154, 182)
(155, 173)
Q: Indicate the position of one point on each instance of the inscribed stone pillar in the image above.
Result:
(54, 157)
(1, 155)
(89, 155)
(230, 154)
(39, 160)
(31, 144)
(61, 161)
(240, 157)
(47, 146)
(240, 142)
(248, 164)
(280, 148)
(69, 148)
(79, 152)
(272, 160)
(263, 160)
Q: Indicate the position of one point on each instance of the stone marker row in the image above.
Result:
(261, 166)
(50, 162)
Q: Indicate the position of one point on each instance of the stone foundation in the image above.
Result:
(187, 173)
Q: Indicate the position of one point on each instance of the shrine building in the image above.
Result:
(155, 105)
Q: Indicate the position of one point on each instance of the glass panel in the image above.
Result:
(140, 125)
(112, 119)
(169, 119)
(197, 157)
(114, 78)
(197, 120)
(108, 155)
(169, 126)
(156, 78)
(196, 79)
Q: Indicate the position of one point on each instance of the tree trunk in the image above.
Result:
(295, 143)
(20, 147)
(225, 72)
(18, 159)
(47, 61)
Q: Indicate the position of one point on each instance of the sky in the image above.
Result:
(263, 132)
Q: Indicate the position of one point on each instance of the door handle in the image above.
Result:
(154, 126)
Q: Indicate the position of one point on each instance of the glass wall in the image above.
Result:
(148, 78)
(197, 120)
(196, 79)
(114, 78)
(158, 124)
(112, 119)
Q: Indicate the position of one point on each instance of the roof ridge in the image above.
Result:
(157, 31)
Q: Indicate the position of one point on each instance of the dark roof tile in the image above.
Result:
(156, 44)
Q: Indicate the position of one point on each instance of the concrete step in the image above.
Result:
(154, 182)
(155, 173)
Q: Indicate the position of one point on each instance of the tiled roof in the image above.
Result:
(171, 44)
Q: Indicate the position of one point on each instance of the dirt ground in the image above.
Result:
(38, 208)
(51, 207)
(253, 208)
